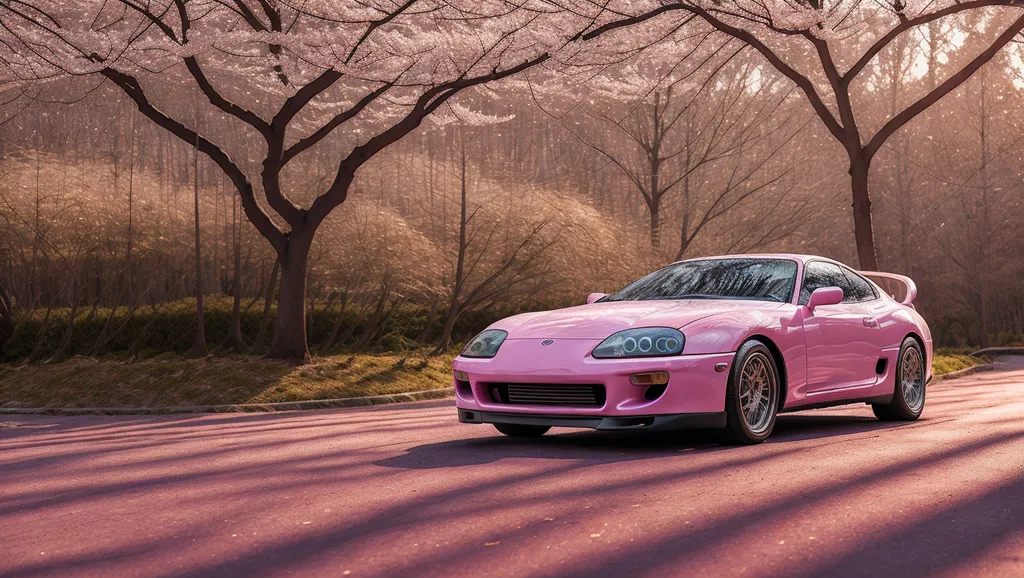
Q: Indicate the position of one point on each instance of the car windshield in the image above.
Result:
(758, 279)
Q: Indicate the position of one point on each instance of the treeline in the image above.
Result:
(539, 198)
(169, 328)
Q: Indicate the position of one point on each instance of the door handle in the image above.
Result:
(870, 322)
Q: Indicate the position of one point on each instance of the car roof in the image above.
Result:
(793, 256)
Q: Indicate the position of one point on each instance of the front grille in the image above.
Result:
(560, 394)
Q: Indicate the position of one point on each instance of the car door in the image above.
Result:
(843, 341)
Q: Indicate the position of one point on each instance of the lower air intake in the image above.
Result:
(564, 395)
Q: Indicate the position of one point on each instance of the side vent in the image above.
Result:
(881, 365)
(654, 392)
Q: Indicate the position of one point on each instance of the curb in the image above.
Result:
(342, 402)
(999, 351)
(349, 402)
(965, 372)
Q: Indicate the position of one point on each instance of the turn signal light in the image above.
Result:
(461, 376)
(652, 378)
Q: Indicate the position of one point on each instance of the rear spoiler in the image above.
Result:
(908, 283)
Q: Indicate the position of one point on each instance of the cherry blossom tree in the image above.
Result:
(291, 73)
(824, 47)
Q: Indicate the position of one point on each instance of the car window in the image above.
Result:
(758, 279)
(860, 288)
(818, 274)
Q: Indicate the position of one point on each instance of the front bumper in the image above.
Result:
(641, 422)
(695, 392)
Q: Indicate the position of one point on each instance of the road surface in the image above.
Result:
(408, 491)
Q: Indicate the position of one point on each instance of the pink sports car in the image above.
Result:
(723, 342)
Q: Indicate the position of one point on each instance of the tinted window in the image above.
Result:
(760, 279)
(818, 274)
(860, 289)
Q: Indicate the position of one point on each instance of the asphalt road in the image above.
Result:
(408, 491)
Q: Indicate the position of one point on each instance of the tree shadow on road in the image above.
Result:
(608, 447)
(470, 499)
(936, 543)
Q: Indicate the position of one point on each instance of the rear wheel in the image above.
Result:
(752, 395)
(909, 395)
(516, 430)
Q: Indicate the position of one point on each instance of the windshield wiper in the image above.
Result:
(707, 296)
(693, 296)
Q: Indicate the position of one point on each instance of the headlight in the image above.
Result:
(646, 342)
(486, 344)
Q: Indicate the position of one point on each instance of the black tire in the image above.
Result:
(901, 408)
(516, 430)
(737, 428)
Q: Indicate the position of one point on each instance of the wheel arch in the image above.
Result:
(924, 352)
(780, 363)
(919, 340)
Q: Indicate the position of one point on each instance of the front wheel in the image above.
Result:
(516, 430)
(752, 395)
(908, 397)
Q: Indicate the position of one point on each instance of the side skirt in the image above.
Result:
(880, 399)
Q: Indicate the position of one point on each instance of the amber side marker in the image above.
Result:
(651, 378)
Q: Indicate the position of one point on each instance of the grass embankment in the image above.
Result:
(948, 360)
(82, 382)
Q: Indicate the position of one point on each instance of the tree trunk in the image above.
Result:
(289, 340)
(655, 225)
(199, 347)
(429, 326)
(268, 302)
(6, 318)
(684, 237)
(70, 329)
(234, 339)
(454, 306)
(984, 315)
(110, 319)
(337, 325)
(862, 229)
(373, 327)
(41, 337)
(449, 327)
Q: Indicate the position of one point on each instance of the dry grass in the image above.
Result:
(84, 382)
(948, 362)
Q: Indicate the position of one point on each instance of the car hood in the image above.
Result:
(599, 320)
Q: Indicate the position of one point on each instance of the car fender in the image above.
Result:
(725, 332)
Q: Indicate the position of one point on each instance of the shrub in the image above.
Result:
(170, 328)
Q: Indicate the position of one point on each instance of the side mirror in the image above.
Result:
(594, 297)
(825, 296)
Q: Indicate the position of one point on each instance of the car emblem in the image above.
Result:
(546, 342)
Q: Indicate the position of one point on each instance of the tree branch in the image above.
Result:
(951, 83)
(218, 100)
(131, 87)
(427, 103)
(908, 23)
(295, 103)
(841, 93)
(745, 36)
(375, 24)
(335, 122)
(640, 18)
